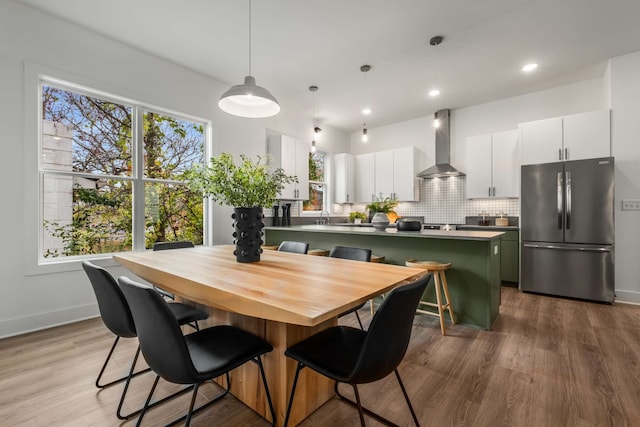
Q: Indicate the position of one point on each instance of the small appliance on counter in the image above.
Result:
(408, 224)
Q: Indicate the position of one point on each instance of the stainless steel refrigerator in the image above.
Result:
(567, 229)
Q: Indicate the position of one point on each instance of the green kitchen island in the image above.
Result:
(474, 279)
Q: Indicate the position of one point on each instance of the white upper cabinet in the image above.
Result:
(575, 137)
(541, 141)
(479, 166)
(493, 165)
(587, 135)
(391, 173)
(406, 184)
(365, 177)
(293, 157)
(344, 189)
(384, 173)
(505, 162)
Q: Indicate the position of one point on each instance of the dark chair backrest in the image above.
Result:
(161, 246)
(161, 340)
(389, 332)
(112, 304)
(345, 252)
(295, 247)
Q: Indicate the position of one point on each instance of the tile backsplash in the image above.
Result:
(443, 200)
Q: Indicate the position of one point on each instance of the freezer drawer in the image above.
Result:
(577, 271)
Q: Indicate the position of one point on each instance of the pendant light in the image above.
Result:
(365, 135)
(316, 130)
(248, 99)
(435, 92)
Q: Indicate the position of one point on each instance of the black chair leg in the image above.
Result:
(360, 412)
(203, 406)
(146, 404)
(293, 390)
(119, 380)
(406, 397)
(367, 411)
(126, 386)
(193, 401)
(359, 321)
(266, 389)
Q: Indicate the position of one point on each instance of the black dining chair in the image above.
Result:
(294, 247)
(189, 359)
(116, 316)
(163, 246)
(356, 254)
(353, 356)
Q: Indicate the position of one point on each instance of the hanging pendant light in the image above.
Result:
(435, 41)
(366, 109)
(316, 130)
(248, 99)
(365, 134)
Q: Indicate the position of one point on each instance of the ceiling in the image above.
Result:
(298, 43)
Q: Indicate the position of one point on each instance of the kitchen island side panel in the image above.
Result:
(474, 279)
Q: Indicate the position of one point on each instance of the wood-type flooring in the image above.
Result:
(547, 362)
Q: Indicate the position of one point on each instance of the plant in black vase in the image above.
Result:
(247, 187)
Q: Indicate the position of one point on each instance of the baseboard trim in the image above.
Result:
(36, 322)
(627, 297)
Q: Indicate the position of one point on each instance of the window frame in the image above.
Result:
(36, 77)
(327, 195)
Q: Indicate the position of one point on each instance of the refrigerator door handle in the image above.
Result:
(565, 248)
(568, 199)
(559, 196)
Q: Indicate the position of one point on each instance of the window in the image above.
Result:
(317, 183)
(110, 173)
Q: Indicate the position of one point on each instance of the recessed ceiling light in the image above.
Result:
(366, 111)
(434, 92)
(530, 67)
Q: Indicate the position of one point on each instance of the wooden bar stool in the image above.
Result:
(440, 280)
(318, 252)
(377, 259)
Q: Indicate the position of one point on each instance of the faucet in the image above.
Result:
(323, 221)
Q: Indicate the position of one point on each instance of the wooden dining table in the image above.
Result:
(284, 298)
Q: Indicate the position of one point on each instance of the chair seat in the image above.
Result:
(428, 265)
(219, 349)
(185, 313)
(332, 352)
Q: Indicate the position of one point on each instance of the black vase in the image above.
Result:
(247, 236)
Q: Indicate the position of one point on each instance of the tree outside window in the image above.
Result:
(93, 164)
(317, 183)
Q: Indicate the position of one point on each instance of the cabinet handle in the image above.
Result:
(347, 197)
(373, 197)
(489, 191)
(566, 154)
(494, 191)
(559, 153)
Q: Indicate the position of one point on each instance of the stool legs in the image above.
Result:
(440, 283)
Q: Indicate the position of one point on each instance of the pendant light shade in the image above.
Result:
(249, 100)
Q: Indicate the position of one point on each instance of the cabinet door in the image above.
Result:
(343, 188)
(505, 171)
(365, 178)
(302, 170)
(282, 151)
(383, 173)
(405, 182)
(587, 135)
(479, 166)
(541, 141)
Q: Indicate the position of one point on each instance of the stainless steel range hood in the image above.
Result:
(442, 168)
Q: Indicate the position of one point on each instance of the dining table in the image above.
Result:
(283, 298)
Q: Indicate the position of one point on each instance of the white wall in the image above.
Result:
(625, 133)
(30, 40)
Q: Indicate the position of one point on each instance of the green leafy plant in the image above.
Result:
(357, 215)
(250, 184)
(382, 204)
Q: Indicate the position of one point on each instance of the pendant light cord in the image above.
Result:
(249, 37)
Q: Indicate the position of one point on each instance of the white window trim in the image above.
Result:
(328, 193)
(34, 74)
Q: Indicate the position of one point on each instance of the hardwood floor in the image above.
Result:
(548, 362)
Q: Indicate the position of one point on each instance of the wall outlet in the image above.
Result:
(631, 205)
